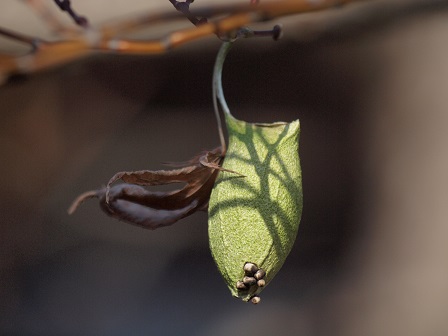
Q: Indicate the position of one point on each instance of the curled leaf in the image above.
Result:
(133, 203)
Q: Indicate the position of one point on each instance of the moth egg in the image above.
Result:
(250, 268)
(260, 274)
(261, 283)
(255, 300)
(249, 281)
(240, 285)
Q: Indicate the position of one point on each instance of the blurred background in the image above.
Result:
(368, 83)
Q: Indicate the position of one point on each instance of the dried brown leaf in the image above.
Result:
(133, 203)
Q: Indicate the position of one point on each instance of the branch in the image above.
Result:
(65, 5)
(18, 37)
(184, 8)
(229, 18)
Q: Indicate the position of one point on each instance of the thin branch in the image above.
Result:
(18, 37)
(239, 16)
(65, 6)
(81, 43)
(245, 13)
(184, 8)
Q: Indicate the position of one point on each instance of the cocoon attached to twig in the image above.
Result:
(254, 215)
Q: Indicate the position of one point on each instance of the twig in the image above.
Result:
(65, 5)
(19, 37)
(81, 43)
(184, 8)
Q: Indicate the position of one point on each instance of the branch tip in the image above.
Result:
(65, 5)
(276, 32)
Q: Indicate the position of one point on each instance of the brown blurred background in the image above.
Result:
(368, 83)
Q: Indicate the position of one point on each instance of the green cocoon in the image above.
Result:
(254, 218)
